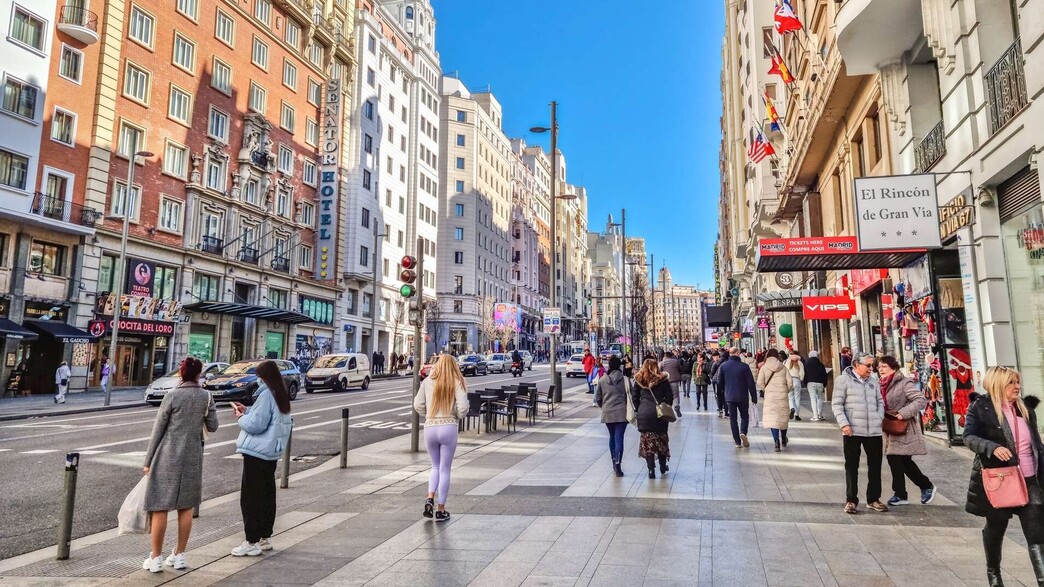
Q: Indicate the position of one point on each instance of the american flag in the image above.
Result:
(760, 148)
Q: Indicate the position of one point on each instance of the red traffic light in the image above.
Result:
(408, 262)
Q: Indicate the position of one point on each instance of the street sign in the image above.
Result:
(552, 320)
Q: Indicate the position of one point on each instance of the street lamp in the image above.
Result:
(556, 378)
(118, 273)
(623, 286)
(374, 304)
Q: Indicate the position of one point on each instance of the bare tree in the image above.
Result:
(398, 323)
(639, 304)
(487, 327)
(433, 316)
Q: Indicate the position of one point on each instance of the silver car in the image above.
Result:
(498, 362)
(157, 389)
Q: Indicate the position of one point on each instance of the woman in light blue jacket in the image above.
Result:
(264, 432)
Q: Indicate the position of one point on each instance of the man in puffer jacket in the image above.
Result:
(859, 410)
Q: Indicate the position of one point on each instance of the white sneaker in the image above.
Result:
(153, 565)
(177, 561)
(264, 545)
(247, 549)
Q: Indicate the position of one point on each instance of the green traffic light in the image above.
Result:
(407, 290)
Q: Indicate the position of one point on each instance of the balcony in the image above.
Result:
(931, 149)
(58, 209)
(79, 23)
(281, 264)
(299, 9)
(212, 245)
(1006, 87)
(872, 33)
(249, 255)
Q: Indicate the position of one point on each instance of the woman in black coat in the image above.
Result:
(653, 388)
(993, 423)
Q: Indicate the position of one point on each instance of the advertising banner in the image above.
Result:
(827, 308)
(329, 162)
(817, 245)
(507, 317)
(139, 307)
(896, 212)
(552, 320)
(141, 276)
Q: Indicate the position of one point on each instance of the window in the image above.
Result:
(63, 127)
(364, 256)
(315, 54)
(371, 77)
(180, 107)
(365, 218)
(458, 284)
(385, 268)
(368, 110)
(27, 28)
(211, 224)
(371, 44)
(308, 172)
(286, 116)
(460, 187)
(307, 213)
(106, 269)
(46, 258)
(462, 116)
(292, 35)
(367, 305)
(189, 8)
(71, 64)
(305, 256)
(20, 98)
(263, 10)
(458, 234)
(283, 204)
(460, 163)
(170, 215)
(315, 92)
(57, 185)
(14, 169)
(165, 283)
(460, 140)
(217, 125)
(259, 54)
(368, 143)
(277, 298)
(225, 28)
(458, 306)
(766, 42)
(184, 53)
(132, 139)
(311, 132)
(401, 236)
(217, 173)
(257, 98)
(221, 77)
(402, 205)
(286, 160)
(366, 179)
(289, 75)
(175, 160)
(119, 200)
(141, 27)
(458, 257)
(403, 115)
(205, 287)
(250, 188)
(136, 83)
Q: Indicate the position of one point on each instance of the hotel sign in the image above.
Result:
(897, 212)
(329, 164)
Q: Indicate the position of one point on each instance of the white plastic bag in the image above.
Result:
(133, 519)
(755, 416)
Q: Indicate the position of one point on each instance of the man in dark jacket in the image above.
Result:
(738, 382)
(717, 360)
(685, 367)
(815, 381)
(671, 367)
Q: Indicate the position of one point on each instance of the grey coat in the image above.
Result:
(611, 395)
(175, 454)
(903, 396)
(858, 404)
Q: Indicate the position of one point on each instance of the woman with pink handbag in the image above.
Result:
(1001, 430)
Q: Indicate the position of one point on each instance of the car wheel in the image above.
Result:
(339, 386)
(366, 383)
(292, 391)
(309, 390)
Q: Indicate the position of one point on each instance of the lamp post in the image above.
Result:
(119, 270)
(374, 304)
(623, 285)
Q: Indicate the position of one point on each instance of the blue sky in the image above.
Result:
(639, 102)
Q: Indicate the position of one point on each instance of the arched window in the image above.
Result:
(409, 12)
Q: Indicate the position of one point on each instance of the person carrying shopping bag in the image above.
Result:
(264, 429)
(174, 462)
(796, 370)
(61, 381)
(443, 401)
(652, 398)
(904, 402)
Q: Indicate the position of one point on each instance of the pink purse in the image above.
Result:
(1005, 486)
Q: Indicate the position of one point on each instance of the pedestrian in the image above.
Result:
(409, 362)
(846, 358)
(443, 401)
(22, 372)
(596, 373)
(903, 399)
(816, 380)
(612, 395)
(719, 390)
(671, 366)
(264, 430)
(796, 370)
(753, 363)
(374, 363)
(394, 363)
(735, 378)
(588, 363)
(1001, 429)
(61, 380)
(106, 373)
(685, 365)
(628, 366)
(174, 462)
(859, 410)
(775, 383)
(700, 380)
(652, 389)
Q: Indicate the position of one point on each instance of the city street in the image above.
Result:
(112, 446)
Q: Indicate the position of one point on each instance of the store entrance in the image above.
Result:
(134, 364)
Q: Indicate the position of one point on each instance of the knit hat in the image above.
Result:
(813, 354)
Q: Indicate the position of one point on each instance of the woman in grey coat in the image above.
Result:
(612, 395)
(904, 399)
(174, 462)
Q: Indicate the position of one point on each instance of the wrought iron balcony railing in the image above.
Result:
(1006, 87)
(58, 209)
(281, 264)
(211, 244)
(931, 149)
(80, 17)
(248, 255)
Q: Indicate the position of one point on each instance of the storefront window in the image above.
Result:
(46, 258)
(201, 346)
(1024, 258)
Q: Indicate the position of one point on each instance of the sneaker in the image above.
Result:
(247, 549)
(877, 506)
(442, 516)
(791, 414)
(850, 508)
(896, 500)
(928, 495)
(177, 561)
(796, 417)
(153, 565)
(429, 508)
(744, 441)
(677, 410)
(264, 545)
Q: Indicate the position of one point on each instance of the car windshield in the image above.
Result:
(331, 362)
(241, 369)
(471, 359)
(576, 358)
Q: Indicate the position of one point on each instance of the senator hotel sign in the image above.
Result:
(897, 212)
(329, 164)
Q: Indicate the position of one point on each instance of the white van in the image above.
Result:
(338, 372)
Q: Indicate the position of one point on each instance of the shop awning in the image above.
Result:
(60, 331)
(825, 253)
(788, 300)
(13, 330)
(250, 311)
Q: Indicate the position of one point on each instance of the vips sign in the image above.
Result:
(897, 212)
(827, 308)
(329, 162)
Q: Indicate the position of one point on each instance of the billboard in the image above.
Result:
(507, 317)
(719, 316)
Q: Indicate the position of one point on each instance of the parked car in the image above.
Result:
(575, 366)
(527, 360)
(425, 369)
(498, 362)
(239, 382)
(161, 385)
(472, 365)
(338, 372)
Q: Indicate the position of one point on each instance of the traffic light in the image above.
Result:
(408, 275)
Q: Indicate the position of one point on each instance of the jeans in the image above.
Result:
(685, 383)
(701, 392)
(816, 392)
(795, 395)
(854, 446)
(719, 398)
(903, 466)
(675, 386)
(257, 498)
(441, 442)
(739, 419)
(777, 434)
(616, 440)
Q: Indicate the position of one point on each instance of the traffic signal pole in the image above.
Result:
(418, 347)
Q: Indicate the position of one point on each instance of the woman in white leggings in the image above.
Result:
(442, 400)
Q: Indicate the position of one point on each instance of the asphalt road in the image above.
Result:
(112, 446)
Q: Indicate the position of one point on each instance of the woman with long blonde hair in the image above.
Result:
(443, 401)
(1001, 429)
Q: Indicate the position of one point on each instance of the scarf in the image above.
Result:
(886, 382)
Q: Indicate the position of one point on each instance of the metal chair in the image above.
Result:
(548, 400)
(508, 409)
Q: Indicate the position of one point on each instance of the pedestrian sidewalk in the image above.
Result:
(17, 408)
(542, 507)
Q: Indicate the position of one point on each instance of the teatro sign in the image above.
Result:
(897, 212)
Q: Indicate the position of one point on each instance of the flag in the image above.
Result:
(780, 68)
(786, 19)
(773, 116)
(760, 148)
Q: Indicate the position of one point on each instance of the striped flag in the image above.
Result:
(760, 148)
(776, 125)
(786, 19)
(780, 68)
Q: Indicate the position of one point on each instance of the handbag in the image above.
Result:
(664, 410)
(1005, 486)
(894, 425)
(632, 415)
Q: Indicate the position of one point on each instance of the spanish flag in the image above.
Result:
(775, 124)
(780, 68)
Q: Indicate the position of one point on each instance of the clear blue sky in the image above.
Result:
(639, 102)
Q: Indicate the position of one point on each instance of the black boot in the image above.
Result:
(1036, 552)
(992, 547)
(651, 461)
(663, 465)
(616, 468)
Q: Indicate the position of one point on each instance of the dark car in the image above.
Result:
(472, 365)
(240, 383)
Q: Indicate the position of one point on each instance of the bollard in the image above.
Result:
(72, 466)
(344, 438)
(284, 481)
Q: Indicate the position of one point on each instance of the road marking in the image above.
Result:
(92, 452)
(235, 457)
(6, 449)
(39, 452)
(405, 413)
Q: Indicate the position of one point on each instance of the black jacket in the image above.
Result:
(646, 400)
(737, 380)
(815, 372)
(983, 433)
(715, 365)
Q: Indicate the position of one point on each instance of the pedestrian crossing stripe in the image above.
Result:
(40, 452)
